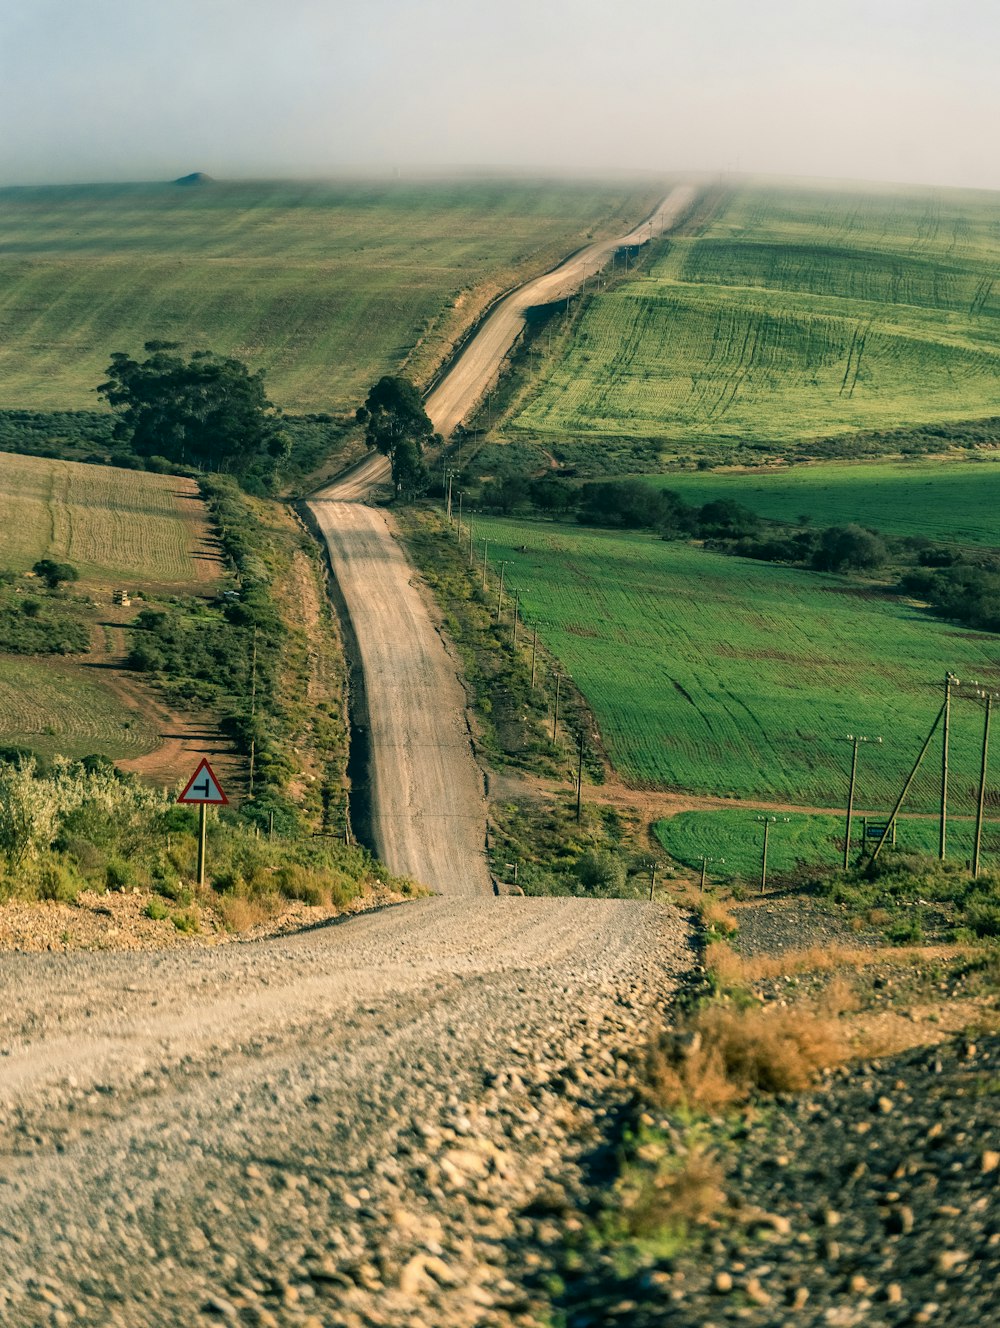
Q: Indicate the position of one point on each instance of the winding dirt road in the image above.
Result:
(428, 810)
(343, 1128)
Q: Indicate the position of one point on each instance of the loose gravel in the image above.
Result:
(339, 1128)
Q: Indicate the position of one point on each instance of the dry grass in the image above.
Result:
(731, 970)
(240, 914)
(681, 1192)
(716, 917)
(727, 1055)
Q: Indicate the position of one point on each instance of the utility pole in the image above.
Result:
(652, 880)
(852, 738)
(503, 568)
(768, 822)
(486, 545)
(579, 782)
(534, 651)
(517, 605)
(460, 496)
(555, 712)
(982, 786)
(253, 676)
(949, 678)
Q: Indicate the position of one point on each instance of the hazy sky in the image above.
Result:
(903, 90)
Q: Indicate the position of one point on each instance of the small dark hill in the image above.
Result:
(196, 177)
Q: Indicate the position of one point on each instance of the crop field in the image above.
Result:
(952, 501)
(733, 840)
(724, 676)
(113, 525)
(54, 708)
(797, 313)
(325, 286)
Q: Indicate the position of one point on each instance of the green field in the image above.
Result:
(797, 313)
(952, 501)
(55, 708)
(721, 675)
(733, 839)
(112, 525)
(325, 286)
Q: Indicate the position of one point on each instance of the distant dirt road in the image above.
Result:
(428, 809)
(477, 367)
(426, 793)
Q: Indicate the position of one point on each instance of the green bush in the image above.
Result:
(156, 909)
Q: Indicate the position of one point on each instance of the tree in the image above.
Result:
(53, 573)
(847, 548)
(398, 426)
(205, 411)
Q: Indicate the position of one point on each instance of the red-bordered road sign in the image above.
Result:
(203, 789)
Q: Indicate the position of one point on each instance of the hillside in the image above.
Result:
(325, 286)
(796, 313)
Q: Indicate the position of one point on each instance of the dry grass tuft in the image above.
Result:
(728, 1055)
(682, 1193)
(240, 914)
(716, 917)
(726, 968)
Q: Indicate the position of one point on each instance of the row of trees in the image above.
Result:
(213, 413)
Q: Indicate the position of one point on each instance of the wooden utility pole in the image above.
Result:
(555, 711)
(486, 545)
(763, 859)
(982, 786)
(579, 776)
(949, 678)
(517, 604)
(850, 794)
(503, 568)
(534, 651)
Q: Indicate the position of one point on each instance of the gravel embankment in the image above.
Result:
(339, 1128)
(875, 1204)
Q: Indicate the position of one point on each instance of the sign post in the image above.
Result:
(203, 791)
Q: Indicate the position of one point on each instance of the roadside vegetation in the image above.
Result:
(68, 827)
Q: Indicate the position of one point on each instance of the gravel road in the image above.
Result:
(336, 1128)
(466, 383)
(343, 1127)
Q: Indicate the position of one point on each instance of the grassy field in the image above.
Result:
(952, 501)
(112, 525)
(733, 839)
(724, 676)
(325, 286)
(61, 708)
(798, 313)
(118, 528)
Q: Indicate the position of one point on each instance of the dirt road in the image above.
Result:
(477, 368)
(346, 1127)
(426, 793)
(335, 1129)
(428, 811)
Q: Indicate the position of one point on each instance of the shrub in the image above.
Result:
(156, 909)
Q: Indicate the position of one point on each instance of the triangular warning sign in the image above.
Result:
(203, 787)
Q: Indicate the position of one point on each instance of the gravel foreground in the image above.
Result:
(339, 1128)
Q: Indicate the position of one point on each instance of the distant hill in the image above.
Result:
(196, 177)
(326, 286)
